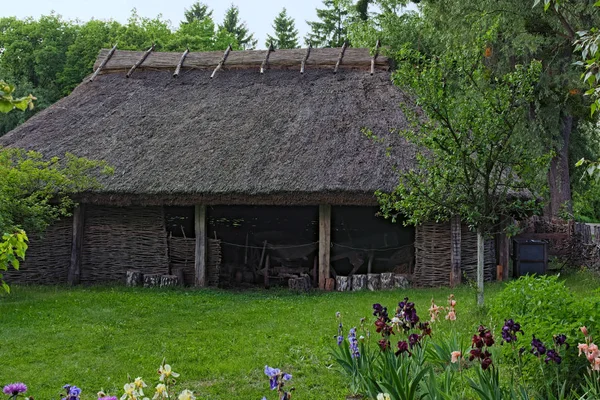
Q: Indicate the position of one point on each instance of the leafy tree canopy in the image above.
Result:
(331, 29)
(285, 32)
(233, 25)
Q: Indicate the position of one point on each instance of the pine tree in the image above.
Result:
(286, 34)
(197, 12)
(232, 24)
(332, 28)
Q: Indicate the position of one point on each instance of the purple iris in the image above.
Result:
(14, 389)
(381, 312)
(407, 314)
(510, 330)
(274, 374)
(353, 343)
(561, 340)
(403, 348)
(552, 355)
(340, 339)
(537, 347)
(413, 340)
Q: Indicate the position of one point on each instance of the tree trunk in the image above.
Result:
(480, 265)
(558, 174)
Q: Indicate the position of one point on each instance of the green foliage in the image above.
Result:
(285, 32)
(232, 24)
(12, 248)
(197, 12)
(331, 29)
(477, 146)
(8, 103)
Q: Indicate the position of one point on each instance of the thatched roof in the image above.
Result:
(243, 137)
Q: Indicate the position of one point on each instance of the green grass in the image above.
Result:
(219, 341)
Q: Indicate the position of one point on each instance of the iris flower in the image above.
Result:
(186, 395)
(166, 372)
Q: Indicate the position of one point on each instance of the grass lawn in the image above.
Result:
(219, 341)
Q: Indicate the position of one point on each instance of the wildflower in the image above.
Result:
(165, 372)
(353, 343)
(434, 310)
(561, 340)
(403, 348)
(413, 339)
(485, 363)
(14, 389)
(596, 366)
(584, 331)
(455, 356)
(274, 374)
(425, 329)
(510, 330)
(340, 339)
(160, 392)
(451, 309)
(139, 383)
(384, 344)
(186, 395)
(552, 355)
(130, 392)
(537, 347)
(407, 314)
(583, 347)
(451, 316)
(380, 312)
(383, 396)
(73, 392)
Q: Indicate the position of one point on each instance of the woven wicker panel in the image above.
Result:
(432, 253)
(120, 238)
(47, 259)
(182, 256)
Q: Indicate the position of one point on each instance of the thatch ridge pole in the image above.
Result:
(265, 63)
(324, 244)
(180, 64)
(201, 244)
(220, 65)
(74, 276)
(341, 56)
(140, 61)
(103, 63)
(305, 58)
(455, 250)
(377, 46)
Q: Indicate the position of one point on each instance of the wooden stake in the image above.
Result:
(220, 65)
(305, 58)
(341, 56)
(455, 250)
(266, 276)
(76, 245)
(324, 244)
(180, 64)
(103, 63)
(140, 61)
(201, 244)
(377, 46)
(265, 63)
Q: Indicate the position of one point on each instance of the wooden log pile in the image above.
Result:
(300, 284)
(383, 281)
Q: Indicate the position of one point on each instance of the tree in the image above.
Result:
(286, 34)
(331, 30)
(197, 12)
(477, 154)
(522, 34)
(8, 103)
(232, 24)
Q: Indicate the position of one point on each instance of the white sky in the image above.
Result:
(258, 14)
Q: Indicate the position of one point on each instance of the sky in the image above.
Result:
(258, 14)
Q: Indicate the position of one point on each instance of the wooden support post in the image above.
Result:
(220, 65)
(377, 46)
(324, 244)
(455, 252)
(503, 254)
(140, 61)
(201, 245)
(180, 64)
(341, 56)
(103, 63)
(303, 65)
(74, 276)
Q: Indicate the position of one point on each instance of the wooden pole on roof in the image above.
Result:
(201, 245)
(340, 57)
(180, 64)
(220, 65)
(324, 245)
(140, 61)
(103, 63)
(74, 276)
(265, 63)
(377, 46)
(305, 58)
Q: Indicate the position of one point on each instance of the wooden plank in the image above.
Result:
(103, 63)
(324, 244)
(74, 276)
(201, 244)
(455, 250)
